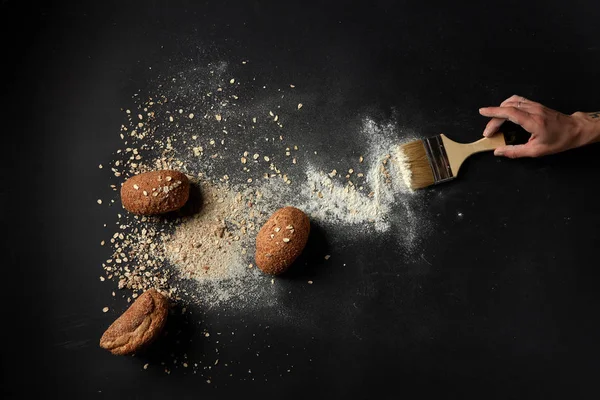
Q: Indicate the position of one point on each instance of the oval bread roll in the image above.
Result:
(281, 240)
(155, 192)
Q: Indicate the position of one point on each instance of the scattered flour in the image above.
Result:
(240, 141)
(203, 125)
(391, 180)
(384, 201)
(332, 202)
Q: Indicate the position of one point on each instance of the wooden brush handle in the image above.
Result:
(458, 152)
(485, 144)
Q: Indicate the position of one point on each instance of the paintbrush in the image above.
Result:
(438, 159)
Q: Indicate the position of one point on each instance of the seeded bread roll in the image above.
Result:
(139, 325)
(281, 240)
(155, 192)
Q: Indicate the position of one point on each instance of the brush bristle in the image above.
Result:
(417, 164)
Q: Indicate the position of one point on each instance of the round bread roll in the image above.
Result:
(281, 240)
(155, 192)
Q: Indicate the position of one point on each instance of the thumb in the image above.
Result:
(516, 151)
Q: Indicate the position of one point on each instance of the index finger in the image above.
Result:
(492, 126)
(510, 113)
(495, 123)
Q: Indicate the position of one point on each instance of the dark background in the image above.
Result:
(503, 303)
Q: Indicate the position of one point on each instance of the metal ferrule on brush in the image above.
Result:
(438, 159)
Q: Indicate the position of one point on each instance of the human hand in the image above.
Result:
(551, 131)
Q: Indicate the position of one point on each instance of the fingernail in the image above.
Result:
(486, 133)
(498, 152)
(481, 110)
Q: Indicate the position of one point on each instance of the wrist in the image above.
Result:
(587, 128)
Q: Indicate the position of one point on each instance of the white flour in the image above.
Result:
(382, 202)
(331, 202)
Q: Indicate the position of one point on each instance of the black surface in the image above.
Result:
(503, 303)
